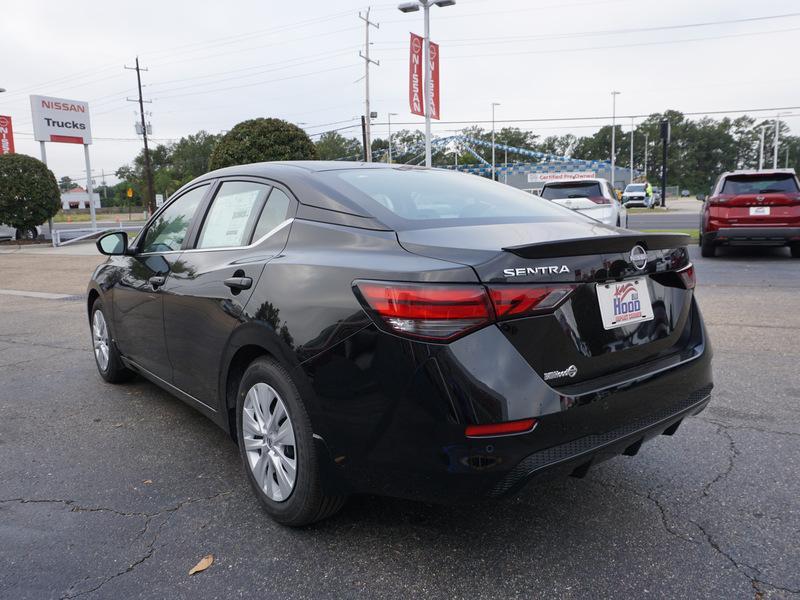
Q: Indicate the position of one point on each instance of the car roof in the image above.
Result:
(301, 177)
(584, 180)
(757, 172)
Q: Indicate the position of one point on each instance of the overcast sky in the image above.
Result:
(213, 64)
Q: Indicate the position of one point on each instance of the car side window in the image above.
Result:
(168, 231)
(273, 214)
(230, 218)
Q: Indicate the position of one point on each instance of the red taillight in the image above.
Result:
(599, 199)
(516, 300)
(442, 312)
(494, 429)
(436, 312)
(688, 277)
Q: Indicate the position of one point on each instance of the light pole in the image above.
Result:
(494, 104)
(390, 115)
(633, 127)
(777, 140)
(407, 7)
(646, 141)
(614, 95)
(761, 148)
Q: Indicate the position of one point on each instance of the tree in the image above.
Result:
(260, 140)
(332, 145)
(66, 184)
(190, 155)
(29, 194)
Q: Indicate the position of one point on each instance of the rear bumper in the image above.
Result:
(396, 426)
(576, 457)
(766, 236)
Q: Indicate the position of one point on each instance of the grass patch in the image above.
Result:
(693, 233)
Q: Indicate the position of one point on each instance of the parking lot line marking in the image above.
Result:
(43, 295)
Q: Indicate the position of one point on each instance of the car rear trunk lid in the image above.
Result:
(571, 344)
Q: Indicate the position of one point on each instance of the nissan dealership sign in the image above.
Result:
(60, 120)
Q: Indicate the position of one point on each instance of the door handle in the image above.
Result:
(239, 283)
(157, 281)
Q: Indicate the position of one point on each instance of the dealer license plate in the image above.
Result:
(758, 211)
(624, 302)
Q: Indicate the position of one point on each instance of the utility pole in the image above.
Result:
(494, 105)
(364, 136)
(390, 115)
(761, 148)
(665, 135)
(505, 167)
(614, 95)
(646, 141)
(632, 129)
(777, 140)
(367, 61)
(148, 171)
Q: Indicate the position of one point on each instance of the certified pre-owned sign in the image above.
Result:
(60, 120)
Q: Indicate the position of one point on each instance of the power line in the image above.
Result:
(236, 87)
(506, 39)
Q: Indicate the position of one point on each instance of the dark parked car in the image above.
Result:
(752, 208)
(401, 331)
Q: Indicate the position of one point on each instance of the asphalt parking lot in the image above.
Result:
(117, 491)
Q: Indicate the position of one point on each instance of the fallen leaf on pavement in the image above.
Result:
(147, 481)
(204, 563)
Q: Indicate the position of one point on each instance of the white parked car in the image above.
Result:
(594, 198)
(635, 194)
(9, 233)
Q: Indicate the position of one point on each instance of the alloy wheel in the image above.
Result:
(100, 340)
(269, 442)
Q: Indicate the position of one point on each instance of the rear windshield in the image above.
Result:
(436, 195)
(557, 191)
(759, 184)
(636, 187)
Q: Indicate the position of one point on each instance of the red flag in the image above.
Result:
(6, 135)
(434, 49)
(415, 76)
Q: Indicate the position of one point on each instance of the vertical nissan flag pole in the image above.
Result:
(431, 67)
(67, 122)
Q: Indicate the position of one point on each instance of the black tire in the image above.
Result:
(114, 371)
(707, 248)
(795, 250)
(307, 502)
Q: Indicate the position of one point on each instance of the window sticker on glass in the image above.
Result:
(227, 221)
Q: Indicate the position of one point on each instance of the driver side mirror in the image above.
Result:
(701, 197)
(114, 243)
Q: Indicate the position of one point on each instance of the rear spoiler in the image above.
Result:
(607, 244)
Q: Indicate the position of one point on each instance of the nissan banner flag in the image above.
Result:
(416, 77)
(6, 135)
(434, 80)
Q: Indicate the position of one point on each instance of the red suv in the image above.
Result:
(752, 208)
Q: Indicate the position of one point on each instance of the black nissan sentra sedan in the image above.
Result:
(403, 331)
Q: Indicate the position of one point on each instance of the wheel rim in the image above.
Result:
(269, 442)
(100, 338)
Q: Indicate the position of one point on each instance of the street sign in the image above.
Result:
(60, 120)
(159, 200)
(6, 135)
(129, 193)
